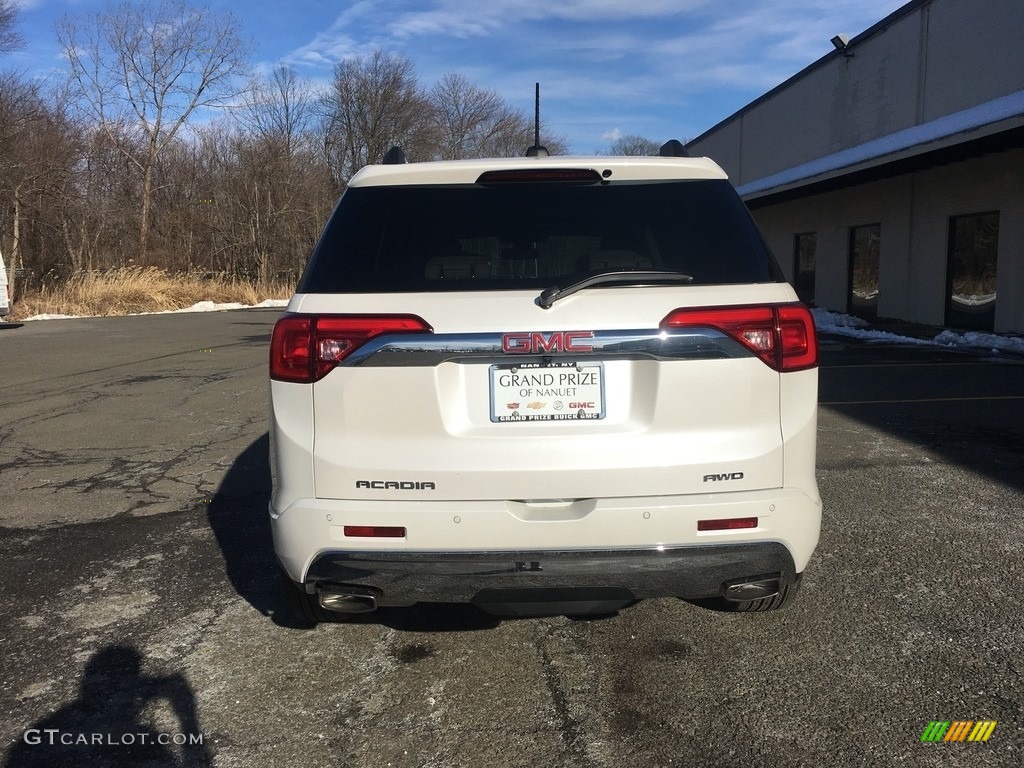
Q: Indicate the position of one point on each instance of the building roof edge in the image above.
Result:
(871, 31)
(918, 136)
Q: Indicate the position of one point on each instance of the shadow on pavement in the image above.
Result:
(238, 517)
(239, 520)
(107, 725)
(967, 407)
(429, 617)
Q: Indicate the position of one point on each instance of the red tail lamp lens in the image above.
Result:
(305, 348)
(783, 336)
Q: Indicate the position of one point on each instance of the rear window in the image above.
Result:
(468, 238)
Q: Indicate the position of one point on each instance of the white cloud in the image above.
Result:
(338, 41)
(613, 135)
(661, 61)
(462, 18)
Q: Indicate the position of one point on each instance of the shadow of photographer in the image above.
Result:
(110, 723)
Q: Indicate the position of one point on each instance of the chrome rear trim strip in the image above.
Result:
(486, 348)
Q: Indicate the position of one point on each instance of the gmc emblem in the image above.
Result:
(536, 343)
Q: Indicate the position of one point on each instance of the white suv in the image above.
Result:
(543, 385)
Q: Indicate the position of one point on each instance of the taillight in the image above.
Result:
(782, 335)
(305, 348)
(799, 341)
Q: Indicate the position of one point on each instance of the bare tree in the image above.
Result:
(514, 140)
(476, 122)
(375, 103)
(37, 153)
(472, 120)
(281, 106)
(10, 39)
(634, 145)
(140, 71)
(277, 189)
(108, 168)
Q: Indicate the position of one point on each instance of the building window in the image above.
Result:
(865, 246)
(805, 250)
(971, 271)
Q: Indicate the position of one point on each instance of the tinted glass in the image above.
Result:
(805, 254)
(865, 249)
(435, 238)
(971, 272)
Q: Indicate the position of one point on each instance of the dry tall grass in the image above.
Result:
(130, 290)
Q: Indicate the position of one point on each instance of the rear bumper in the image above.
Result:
(692, 572)
(664, 528)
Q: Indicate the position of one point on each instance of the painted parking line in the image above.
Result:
(969, 364)
(923, 400)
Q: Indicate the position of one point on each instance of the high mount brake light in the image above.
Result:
(533, 175)
(305, 348)
(782, 335)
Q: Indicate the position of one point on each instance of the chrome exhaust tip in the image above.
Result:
(347, 600)
(752, 588)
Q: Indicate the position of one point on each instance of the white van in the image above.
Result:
(5, 289)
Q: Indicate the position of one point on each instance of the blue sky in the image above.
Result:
(658, 68)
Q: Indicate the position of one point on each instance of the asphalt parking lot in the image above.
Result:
(140, 605)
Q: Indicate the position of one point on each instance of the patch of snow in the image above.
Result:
(826, 320)
(854, 327)
(209, 306)
(975, 300)
(848, 325)
(202, 306)
(54, 317)
(978, 340)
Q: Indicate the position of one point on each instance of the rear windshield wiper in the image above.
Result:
(620, 276)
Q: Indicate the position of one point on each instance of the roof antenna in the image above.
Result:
(536, 150)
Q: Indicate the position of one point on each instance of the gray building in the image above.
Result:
(888, 176)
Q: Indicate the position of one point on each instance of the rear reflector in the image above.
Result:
(375, 531)
(305, 348)
(732, 524)
(782, 335)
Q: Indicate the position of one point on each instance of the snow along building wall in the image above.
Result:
(896, 167)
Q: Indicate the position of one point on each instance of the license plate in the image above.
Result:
(557, 392)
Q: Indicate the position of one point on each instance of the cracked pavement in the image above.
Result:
(140, 594)
(117, 418)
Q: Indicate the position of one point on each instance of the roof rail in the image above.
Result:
(673, 148)
(394, 156)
